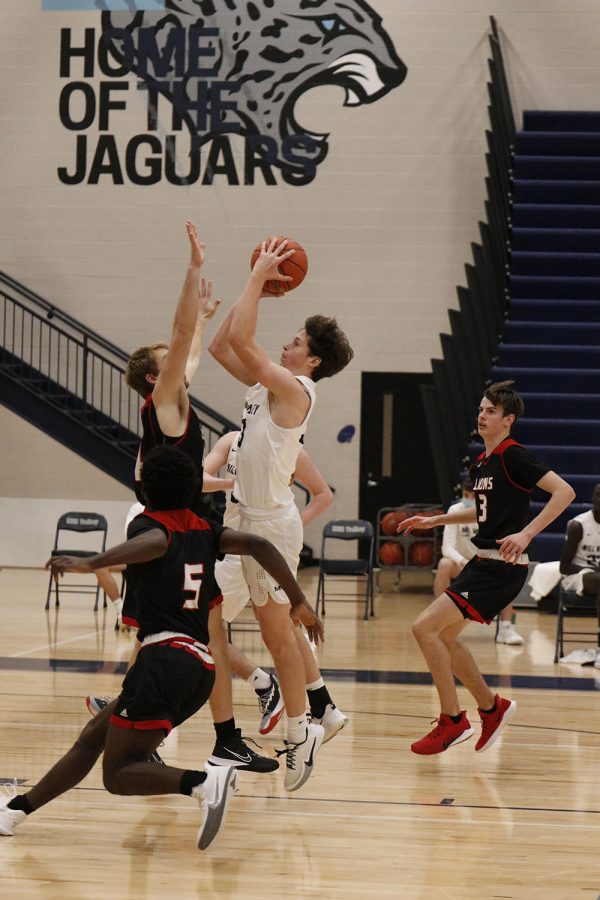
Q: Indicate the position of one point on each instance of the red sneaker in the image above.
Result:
(445, 734)
(493, 723)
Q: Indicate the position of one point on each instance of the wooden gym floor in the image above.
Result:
(375, 821)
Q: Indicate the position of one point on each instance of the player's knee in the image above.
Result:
(110, 778)
(421, 630)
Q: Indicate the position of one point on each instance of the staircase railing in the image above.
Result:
(476, 327)
(76, 367)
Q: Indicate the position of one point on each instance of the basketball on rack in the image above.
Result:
(296, 266)
(421, 553)
(391, 554)
(391, 520)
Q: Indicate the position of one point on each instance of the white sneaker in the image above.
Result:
(507, 634)
(9, 818)
(581, 656)
(214, 795)
(300, 758)
(332, 720)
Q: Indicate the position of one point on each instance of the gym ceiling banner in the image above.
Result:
(218, 82)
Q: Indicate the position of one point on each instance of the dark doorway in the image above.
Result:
(396, 459)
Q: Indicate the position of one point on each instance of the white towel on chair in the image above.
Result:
(544, 578)
(575, 582)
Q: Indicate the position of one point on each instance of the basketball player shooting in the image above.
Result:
(277, 408)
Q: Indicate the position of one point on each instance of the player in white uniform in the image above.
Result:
(276, 412)
(580, 559)
(230, 575)
(457, 550)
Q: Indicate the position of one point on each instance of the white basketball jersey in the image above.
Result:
(231, 516)
(588, 551)
(266, 453)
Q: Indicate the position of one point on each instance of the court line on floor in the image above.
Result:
(79, 637)
(400, 804)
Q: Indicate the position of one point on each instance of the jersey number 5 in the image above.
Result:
(191, 583)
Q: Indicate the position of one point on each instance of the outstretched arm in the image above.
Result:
(170, 385)
(207, 307)
(458, 517)
(144, 547)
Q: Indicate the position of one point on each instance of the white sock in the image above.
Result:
(315, 685)
(118, 604)
(259, 680)
(296, 729)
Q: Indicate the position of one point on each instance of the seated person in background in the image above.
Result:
(457, 550)
(580, 558)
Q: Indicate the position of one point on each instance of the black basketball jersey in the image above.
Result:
(191, 442)
(503, 483)
(176, 591)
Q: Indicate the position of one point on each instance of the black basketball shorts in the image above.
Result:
(167, 684)
(485, 587)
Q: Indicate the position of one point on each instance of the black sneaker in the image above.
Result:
(238, 754)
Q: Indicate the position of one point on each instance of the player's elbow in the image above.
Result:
(216, 347)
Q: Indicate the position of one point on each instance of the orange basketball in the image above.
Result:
(296, 266)
(391, 520)
(391, 554)
(421, 553)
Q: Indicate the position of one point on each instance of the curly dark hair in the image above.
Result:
(501, 394)
(169, 478)
(327, 341)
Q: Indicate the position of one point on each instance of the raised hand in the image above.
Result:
(304, 614)
(197, 248)
(267, 264)
(207, 306)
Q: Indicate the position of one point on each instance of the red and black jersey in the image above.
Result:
(176, 591)
(191, 442)
(503, 483)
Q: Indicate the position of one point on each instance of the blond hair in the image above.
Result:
(142, 362)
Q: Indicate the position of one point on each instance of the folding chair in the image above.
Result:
(347, 530)
(572, 604)
(80, 522)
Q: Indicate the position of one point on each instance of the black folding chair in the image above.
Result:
(80, 522)
(572, 604)
(339, 569)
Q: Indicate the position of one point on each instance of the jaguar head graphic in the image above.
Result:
(273, 51)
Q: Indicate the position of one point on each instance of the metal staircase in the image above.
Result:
(68, 381)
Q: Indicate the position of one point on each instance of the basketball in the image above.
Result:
(391, 520)
(296, 266)
(421, 554)
(391, 554)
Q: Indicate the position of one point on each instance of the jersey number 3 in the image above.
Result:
(481, 508)
(191, 583)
